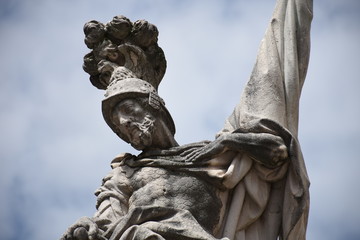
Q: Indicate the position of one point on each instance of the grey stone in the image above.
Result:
(249, 183)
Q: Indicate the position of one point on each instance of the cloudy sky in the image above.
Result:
(55, 147)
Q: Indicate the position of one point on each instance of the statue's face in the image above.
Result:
(135, 123)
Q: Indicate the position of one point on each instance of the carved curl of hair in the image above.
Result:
(94, 33)
(118, 28)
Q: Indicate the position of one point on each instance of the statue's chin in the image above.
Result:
(143, 140)
(138, 147)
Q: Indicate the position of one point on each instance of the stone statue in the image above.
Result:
(249, 183)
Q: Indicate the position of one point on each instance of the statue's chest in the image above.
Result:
(157, 187)
(162, 187)
(158, 182)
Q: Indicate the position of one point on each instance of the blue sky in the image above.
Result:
(55, 147)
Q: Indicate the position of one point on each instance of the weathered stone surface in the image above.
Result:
(249, 183)
(120, 43)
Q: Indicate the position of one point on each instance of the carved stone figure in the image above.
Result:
(249, 183)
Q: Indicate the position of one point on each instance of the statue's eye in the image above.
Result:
(127, 108)
(130, 109)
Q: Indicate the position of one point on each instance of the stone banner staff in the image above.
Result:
(273, 92)
(249, 183)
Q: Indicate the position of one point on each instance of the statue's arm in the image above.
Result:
(112, 205)
(265, 148)
(85, 228)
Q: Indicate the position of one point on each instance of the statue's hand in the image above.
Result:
(208, 151)
(84, 229)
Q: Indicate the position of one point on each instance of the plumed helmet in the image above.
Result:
(127, 62)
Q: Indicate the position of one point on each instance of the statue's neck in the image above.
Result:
(163, 138)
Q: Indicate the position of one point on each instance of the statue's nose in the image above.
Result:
(125, 121)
